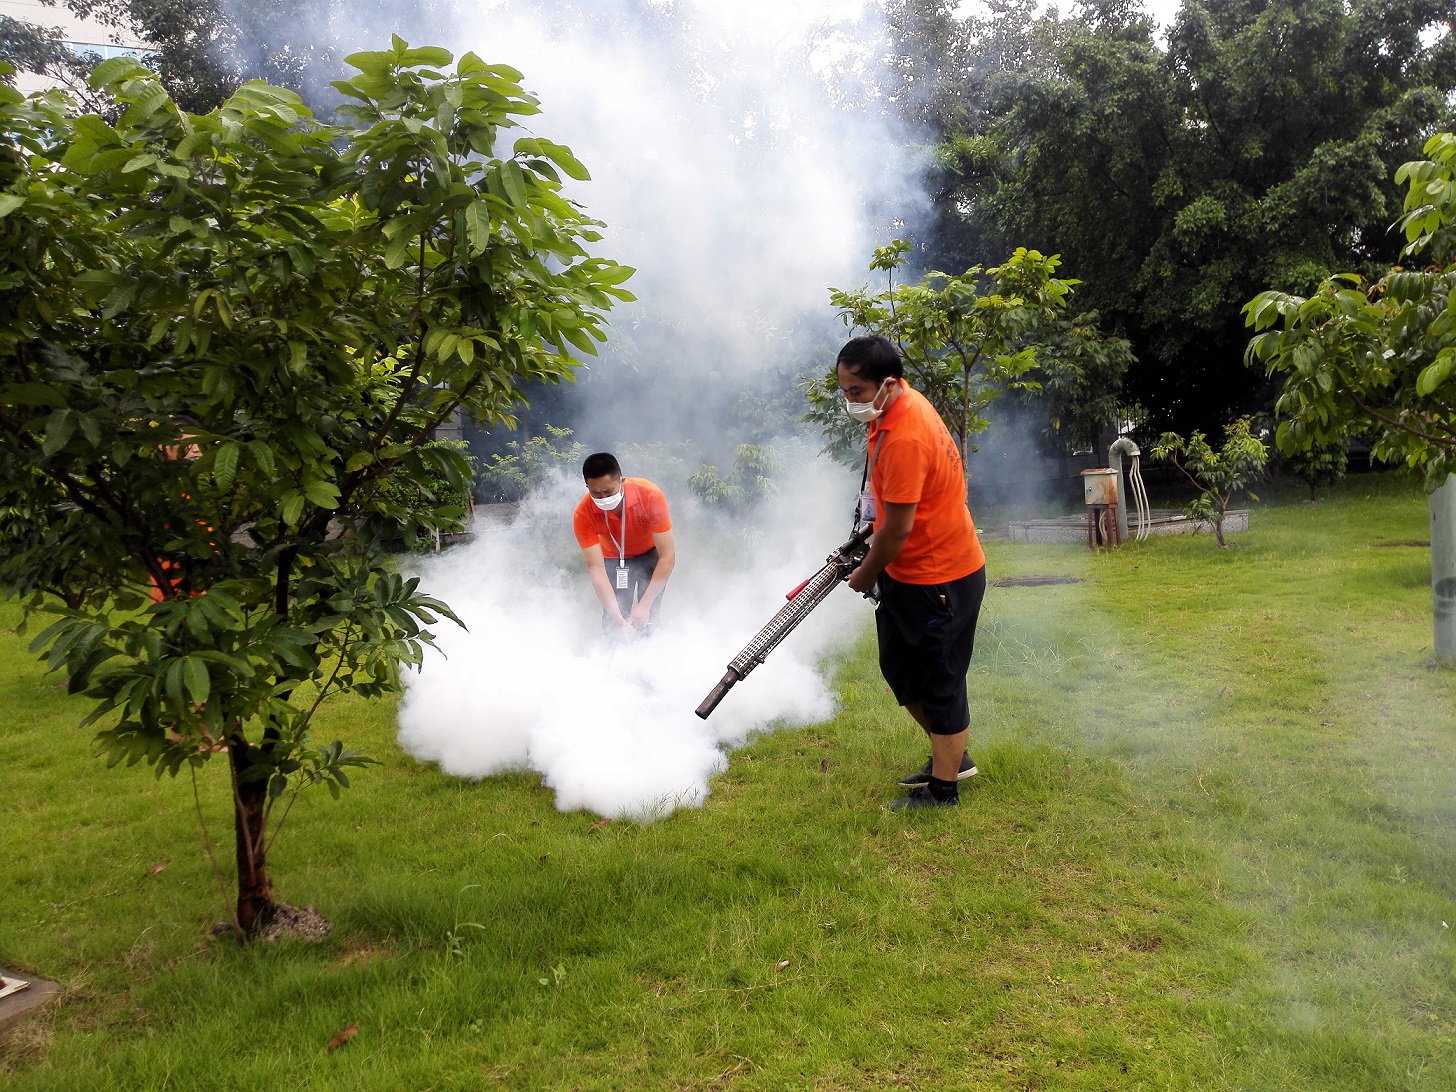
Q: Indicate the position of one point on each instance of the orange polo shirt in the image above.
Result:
(646, 515)
(917, 462)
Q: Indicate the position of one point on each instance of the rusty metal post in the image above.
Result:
(1443, 570)
(1122, 445)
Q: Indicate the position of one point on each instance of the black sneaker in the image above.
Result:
(923, 798)
(922, 775)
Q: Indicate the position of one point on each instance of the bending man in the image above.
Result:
(925, 558)
(625, 533)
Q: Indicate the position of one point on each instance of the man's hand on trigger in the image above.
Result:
(641, 615)
(860, 580)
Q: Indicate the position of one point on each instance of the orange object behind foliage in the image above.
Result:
(174, 588)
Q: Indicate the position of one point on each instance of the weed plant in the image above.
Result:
(1211, 846)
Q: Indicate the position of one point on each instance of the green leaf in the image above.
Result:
(173, 679)
(433, 56)
(478, 225)
(612, 273)
(199, 685)
(262, 456)
(225, 464)
(1436, 373)
(9, 202)
(399, 250)
(514, 182)
(31, 394)
(59, 428)
(115, 70)
(291, 508)
(561, 155)
(324, 494)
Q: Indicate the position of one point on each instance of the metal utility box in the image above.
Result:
(1099, 486)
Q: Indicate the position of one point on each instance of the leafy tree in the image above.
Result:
(31, 48)
(1078, 378)
(748, 481)
(1253, 151)
(1376, 359)
(203, 50)
(961, 336)
(523, 466)
(224, 342)
(438, 502)
(1322, 464)
(188, 40)
(1217, 475)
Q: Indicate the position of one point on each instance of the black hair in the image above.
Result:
(871, 357)
(600, 465)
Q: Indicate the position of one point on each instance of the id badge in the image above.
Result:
(622, 573)
(867, 507)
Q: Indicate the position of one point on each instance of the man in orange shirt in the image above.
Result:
(925, 559)
(625, 533)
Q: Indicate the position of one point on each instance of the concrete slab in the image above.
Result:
(21, 995)
(1072, 530)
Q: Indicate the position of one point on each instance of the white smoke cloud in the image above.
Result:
(740, 171)
(722, 165)
(534, 684)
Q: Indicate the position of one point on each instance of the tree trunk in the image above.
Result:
(1442, 504)
(255, 889)
(965, 429)
(1218, 530)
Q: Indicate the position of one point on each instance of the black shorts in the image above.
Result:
(927, 632)
(639, 575)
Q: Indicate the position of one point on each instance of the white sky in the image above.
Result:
(1163, 11)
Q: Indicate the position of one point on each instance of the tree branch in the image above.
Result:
(1391, 421)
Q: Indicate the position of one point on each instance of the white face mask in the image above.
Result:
(606, 504)
(865, 412)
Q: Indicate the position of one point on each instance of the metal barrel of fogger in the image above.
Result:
(783, 623)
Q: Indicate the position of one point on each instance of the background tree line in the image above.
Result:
(1255, 148)
(1251, 146)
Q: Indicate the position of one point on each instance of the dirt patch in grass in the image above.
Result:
(1034, 581)
(359, 949)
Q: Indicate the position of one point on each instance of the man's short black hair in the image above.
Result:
(599, 465)
(871, 357)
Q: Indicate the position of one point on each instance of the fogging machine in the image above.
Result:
(801, 601)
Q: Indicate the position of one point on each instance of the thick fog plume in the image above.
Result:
(739, 165)
(720, 163)
(533, 683)
(741, 160)
(742, 169)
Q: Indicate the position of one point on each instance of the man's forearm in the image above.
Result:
(659, 580)
(892, 531)
(603, 587)
(884, 548)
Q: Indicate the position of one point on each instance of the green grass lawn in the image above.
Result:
(1212, 846)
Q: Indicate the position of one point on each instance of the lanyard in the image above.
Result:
(870, 460)
(622, 519)
(869, 468)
